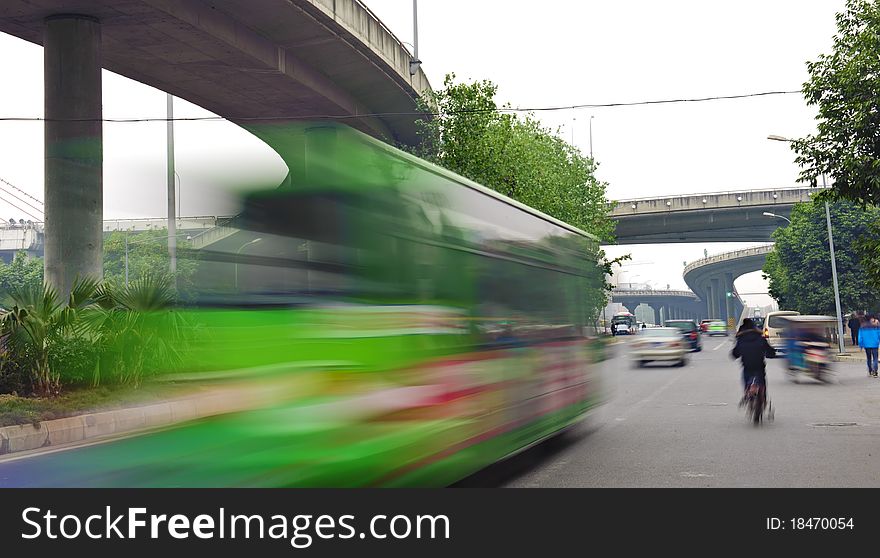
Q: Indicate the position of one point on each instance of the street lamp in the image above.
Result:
(414, 63)
(591, 136)
(768, 214)
(833, 259)
(237, 252)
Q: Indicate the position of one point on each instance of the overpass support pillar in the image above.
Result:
(728, 288)
(717, 296)
(658, 319)
(711, 294)
(73, 188)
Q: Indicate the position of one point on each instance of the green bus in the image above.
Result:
(382, 322)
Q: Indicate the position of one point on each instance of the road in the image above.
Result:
(681, 427)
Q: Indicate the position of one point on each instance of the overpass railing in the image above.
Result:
(657, 204)
(727, 256)
(652, 292)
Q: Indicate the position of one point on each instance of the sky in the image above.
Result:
(556, 53)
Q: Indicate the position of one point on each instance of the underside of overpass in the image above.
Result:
(258, 64)
(665, 304)
(721, 217)
(713, 277)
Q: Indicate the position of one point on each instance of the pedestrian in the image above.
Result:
(854, 325)
(869, 339)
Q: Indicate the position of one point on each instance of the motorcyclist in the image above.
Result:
(752, 348)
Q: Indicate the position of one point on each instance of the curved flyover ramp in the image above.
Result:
(712, 278)
(247, 60)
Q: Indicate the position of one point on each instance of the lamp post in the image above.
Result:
(415, 62)
(768, 214)
(172, 206)
(831, 249)
(237, 252)
(591, 136)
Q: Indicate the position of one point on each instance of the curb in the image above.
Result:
(58, 432)
(848, 358)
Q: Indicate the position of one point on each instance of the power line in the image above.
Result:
(20, 190)
(409, 113)
(5, 191)
(18, 208)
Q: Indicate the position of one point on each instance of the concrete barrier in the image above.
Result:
(63, 431)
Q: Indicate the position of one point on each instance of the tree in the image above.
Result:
(23, 271)
(845, 86)
(513, 155)
(147, 257)
(799, 267)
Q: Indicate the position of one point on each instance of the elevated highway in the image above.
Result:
(712, 278)
(260, 64)
(716, 217)
(666, 304)
(30, 237)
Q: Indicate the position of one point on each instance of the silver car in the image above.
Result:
(659, 344)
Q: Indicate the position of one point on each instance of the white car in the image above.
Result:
(659, 344)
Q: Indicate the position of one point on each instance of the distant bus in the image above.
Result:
(623, 323)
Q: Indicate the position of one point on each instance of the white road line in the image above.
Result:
(722, 344)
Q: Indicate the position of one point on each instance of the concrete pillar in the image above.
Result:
(657, 317)
(73, 150)
(728, 288)
(717, 299)
(710, 301)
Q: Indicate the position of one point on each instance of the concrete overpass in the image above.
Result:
(666, 304)
(252, 62)
(711, 278)
(29, 237)
(719, 217)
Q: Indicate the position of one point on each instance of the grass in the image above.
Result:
(33, 410)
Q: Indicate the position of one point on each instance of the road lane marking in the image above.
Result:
(722, 344)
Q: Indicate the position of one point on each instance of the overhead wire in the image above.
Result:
(402, 113)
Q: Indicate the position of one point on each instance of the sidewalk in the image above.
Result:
(853, 354)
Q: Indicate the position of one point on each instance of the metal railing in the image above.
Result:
(725, 193)
(727, 256)
(652, 292)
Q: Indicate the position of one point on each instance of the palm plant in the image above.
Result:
(36, 321)
(135, 328)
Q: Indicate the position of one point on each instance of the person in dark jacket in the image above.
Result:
(854, 324)
(751, 347)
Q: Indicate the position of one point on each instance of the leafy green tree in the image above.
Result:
(23, 271)
(147, 257)
(513, 155)
(799, 267)
(845, 86)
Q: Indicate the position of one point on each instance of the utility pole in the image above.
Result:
(172, 206)
(591, 136)
(834, 275)
(415, 62)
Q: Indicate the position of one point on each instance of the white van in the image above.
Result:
(773, 325)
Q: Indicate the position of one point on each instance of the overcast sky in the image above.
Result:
(552, 53)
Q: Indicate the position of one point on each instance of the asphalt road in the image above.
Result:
(681, 427)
